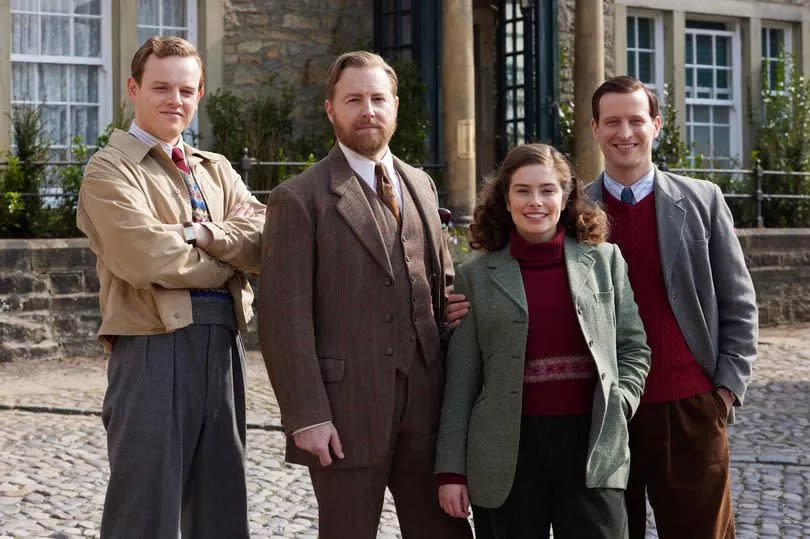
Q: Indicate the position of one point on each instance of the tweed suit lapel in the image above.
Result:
(353, 207)
(670, 217)
(506, 275)
(578, 264)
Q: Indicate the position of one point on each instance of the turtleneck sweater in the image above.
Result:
(559, 373)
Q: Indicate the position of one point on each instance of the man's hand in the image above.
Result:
(318, 440)
(727, 396)
(455, 500)
(456, 309)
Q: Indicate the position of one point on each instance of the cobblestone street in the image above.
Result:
(53, 466)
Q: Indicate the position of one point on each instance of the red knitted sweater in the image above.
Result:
(674, 373)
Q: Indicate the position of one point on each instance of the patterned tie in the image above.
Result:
(179, 159)
(628, 197)
(385, 190)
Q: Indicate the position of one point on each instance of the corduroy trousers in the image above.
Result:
(679, 456)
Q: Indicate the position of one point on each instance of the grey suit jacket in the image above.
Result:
(707, 282)
(481, 413)
(325, 285)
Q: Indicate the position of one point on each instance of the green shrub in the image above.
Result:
(670, 149)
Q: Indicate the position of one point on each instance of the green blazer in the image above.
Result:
(481, 412)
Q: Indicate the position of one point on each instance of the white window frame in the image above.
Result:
(658, 51)
(104, 63)
(161, 29)
(788, 41)
(734, 104)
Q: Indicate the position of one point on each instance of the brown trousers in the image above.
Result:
(680, 457)
(350, 500)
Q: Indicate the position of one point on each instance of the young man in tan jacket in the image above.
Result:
(175, 231)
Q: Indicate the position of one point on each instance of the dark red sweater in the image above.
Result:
(559, 375)
(674, 373)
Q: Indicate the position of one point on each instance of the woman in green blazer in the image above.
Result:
(547, 367)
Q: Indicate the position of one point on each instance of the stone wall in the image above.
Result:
(49, 291)
(270, 44)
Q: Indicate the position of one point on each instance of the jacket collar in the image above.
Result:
(670, 218)
(506, 270)
(136, 150)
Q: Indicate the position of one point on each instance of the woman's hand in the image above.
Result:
(455, 500)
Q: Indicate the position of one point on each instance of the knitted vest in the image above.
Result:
(674, 373)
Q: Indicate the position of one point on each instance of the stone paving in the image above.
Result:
(53, 467)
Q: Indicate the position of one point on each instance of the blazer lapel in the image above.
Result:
(595, 189)
(429, 215)
(670, 217)
(506, 275)
(579, 264)
(354, 208)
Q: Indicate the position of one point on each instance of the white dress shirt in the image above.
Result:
(364, 167)
(151, 140)
(641, 188)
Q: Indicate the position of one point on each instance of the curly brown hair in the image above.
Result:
(492, 222)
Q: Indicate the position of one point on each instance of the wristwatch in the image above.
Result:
(188, 234)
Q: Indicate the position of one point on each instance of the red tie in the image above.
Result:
(179, 159)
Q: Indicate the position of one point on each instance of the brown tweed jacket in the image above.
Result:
(325, 285)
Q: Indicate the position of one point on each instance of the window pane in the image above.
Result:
(24, 5)
(55, 6)
(144, 34)
(690, 45)
(645, 33)
(404, 4)
(510, 104)
(721, 115)
(705, 80)
(23, 82)
(690, 81)
(88, 34)
(24, 35)
(180, 33)
(85, 123)
(631, 63)
(53, 82)
(510, 10)
(149, 12)
(87, 7)
(55, 35)
(55, 117)
(174, 13)
(85, 84)
(646, 67)
(388, 31)
(509, 36)
(774, 75)
(701, 114)
(722, 141)
(407, 33)
(704, 50)
(631, 32)
(723, 89)
(777, 41)
(702, 141)
(723, 49)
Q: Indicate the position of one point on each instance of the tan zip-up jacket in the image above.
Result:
(129, 191)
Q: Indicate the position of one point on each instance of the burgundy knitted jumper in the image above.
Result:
(674, 373)
(559, 374)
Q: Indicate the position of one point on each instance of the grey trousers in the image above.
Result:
(174, 412)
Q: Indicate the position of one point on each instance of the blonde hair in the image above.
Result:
(360, 59)
(162, 46)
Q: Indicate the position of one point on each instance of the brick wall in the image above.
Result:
(49, 303)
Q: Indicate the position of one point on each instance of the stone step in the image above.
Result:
(11, 351)
(757, 258)
(28, 329)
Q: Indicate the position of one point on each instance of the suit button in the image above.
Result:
(412, 338)
(387, 281)
(603, 376)
(590, 343)
(407, 258)
(579, 310)
(413, 278)
(389, 317)
(389, 351)
(177, 315)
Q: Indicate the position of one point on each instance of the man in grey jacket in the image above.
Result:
(697, 302)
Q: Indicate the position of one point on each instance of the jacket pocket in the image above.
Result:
(331, 368)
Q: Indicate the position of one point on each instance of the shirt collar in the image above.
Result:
(152, 140)
(641, 187)
(364, 166)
